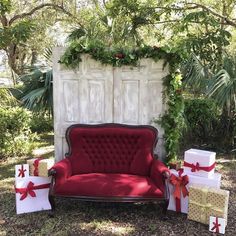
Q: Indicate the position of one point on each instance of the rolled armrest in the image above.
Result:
(159, 172)
(61, 171)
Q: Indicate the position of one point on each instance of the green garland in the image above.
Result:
(113, 56)
(172, 120)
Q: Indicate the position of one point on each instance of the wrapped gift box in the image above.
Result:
(32, 194)
(39, 166)
(22, 171)
(192, 179)
(199, 162)
(205, 202)
(217, 225)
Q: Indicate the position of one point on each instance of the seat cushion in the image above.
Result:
(109, 185)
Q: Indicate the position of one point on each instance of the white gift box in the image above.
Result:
(32, 194)
(217, 225)
(193, 179)
(22, 171)
(196, 162)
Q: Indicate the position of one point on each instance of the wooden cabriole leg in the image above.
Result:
(166, 201)
(51, 197)
(164, 210)
(52, 202)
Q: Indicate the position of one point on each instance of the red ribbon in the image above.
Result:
(30, 190)
(179, 183)
(21, 172)
(197, 167)
(216, 226)
(36, 166)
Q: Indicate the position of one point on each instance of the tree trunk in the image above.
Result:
(12, 54)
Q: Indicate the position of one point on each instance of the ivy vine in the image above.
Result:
(172, 120)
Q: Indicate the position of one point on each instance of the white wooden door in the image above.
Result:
(138, 95)
(81, 96)
(138, 92)
(97, 93)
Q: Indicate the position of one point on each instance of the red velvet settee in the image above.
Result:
(110, 162)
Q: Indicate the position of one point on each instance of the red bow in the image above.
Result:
(179, 183)
(21, 172)
(197, 167)
(216, 226)
(36, 166)
(30, 190)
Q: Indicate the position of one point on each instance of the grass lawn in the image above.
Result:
(85, 218)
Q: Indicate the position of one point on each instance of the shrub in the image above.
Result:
(15, 131)
(40, 123)
(202, 119)
(6, 97)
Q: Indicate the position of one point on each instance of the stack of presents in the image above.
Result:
(32, 185)
(195, 190)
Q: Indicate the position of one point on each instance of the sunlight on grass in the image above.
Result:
(43, 150)
(7, 183)
(108, 227)
(3, 233)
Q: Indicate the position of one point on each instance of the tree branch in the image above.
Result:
(174, 21)
(226, 19)
(167, 21)
(23, 15)
(192, 6)
(4, 20)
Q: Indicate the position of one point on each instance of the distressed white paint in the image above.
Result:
(71, 105)
(96, 93)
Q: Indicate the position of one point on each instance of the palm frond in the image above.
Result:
(195, 74)
(76, 34)
(222, 88)
(48, 54)
(37, 94)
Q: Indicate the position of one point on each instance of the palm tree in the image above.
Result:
(222, 86)
(196, 75)
(37, 92)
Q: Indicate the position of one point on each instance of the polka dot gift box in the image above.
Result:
(40, 166)
(205, 202)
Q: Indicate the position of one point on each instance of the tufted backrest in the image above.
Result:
(111, 148)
